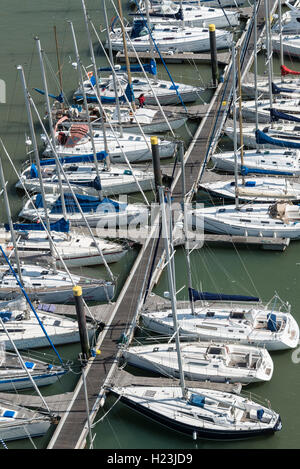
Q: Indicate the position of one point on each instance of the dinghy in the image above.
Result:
(202, 413)
(217, 362)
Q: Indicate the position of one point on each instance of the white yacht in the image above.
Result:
(248, 324)
(213, 361)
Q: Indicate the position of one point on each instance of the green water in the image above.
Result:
(229, 270)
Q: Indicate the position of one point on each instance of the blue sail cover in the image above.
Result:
(149, 68)
(87, 204)
(61, 226)
(278, 115)
(263, 138)
(101, 155)
(196, 296)
(277, 90)
(245, 171)
(59, 98)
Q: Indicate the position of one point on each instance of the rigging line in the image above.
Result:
(145, 74)
(161, 58)
(43, 224)
(30, 304)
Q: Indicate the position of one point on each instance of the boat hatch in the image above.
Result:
(149, 393)
(10, 414)
(214, 350)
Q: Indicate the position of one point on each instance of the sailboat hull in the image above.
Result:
(191, 430)
(17, 431)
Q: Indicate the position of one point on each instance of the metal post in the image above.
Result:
(213, 53)
(84, 339)
(156, 164)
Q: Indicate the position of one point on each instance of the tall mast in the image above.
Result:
(95, 75)
(11, 227)
(58, 64)
(240, 108)
(49, 110)
(149, 26)
(86, 106)
(255, 69)
(267, 15)
(36, 152)
(280, 36)
(171, 281)
(125, 50)
(234, 127)
(111, 58)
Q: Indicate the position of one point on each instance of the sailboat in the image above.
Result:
(196, 412)
(76, 141)
(17, 422)
(213, 361)
(290, 21)
(26, 332)
(170, 38)
(13, 377)
(169, 13)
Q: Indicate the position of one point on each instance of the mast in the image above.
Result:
(86, 107)
(255, 70)
(58, 64)
(267, 16)
(280, 37)
(234, 128)
(49, 110)
(9, 217)
(126, 51)
(171, 281)
(111, 58)
(240, 108)
(95, 76)
(149, 26)
(186, 247)
(36, 152)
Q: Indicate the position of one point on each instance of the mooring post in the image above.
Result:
(213, 53)
(156, 165)
(84, 338)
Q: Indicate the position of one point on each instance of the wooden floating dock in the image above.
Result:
(176, 58)
(72, 431)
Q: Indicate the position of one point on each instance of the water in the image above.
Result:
(230, 270)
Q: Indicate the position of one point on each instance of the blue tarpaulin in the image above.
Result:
(61, 226)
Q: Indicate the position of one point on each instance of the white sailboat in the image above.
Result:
(17, 422)
(170, 38)
(114, 180)
(26, 333)
(213, 361)
(290, 22)
(257, 189)
(164, 90)
(13, 376)
(77, 141)
(105, 212)
(168, 13)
